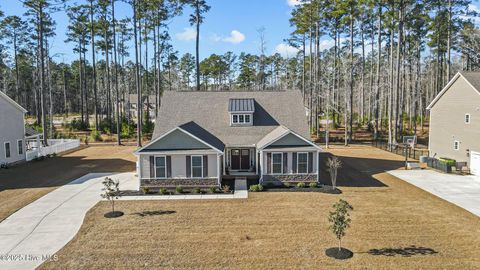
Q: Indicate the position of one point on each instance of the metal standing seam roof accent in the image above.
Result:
(241, 105)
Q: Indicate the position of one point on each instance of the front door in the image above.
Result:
(240, 159)
(245, 159)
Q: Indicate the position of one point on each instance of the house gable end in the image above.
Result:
(175, 140)
(457, 79)
(289, 140)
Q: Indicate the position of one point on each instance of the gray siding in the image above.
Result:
(177, 140)
(447, 122)
(289, 140)
(178, 166)
(12, 128)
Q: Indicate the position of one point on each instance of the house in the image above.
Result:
(147, 103)
(455, 121)
(12, 131)
(201, 138)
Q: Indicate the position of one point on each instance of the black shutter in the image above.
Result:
(169, 166)
(205, 166)
(152, 167)
(285, 163)
(294, 162)
(269, 163)
(189, 169)
(310, 162)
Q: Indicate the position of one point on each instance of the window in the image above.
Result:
(7, 150)
(197, 166)
(241, 118)
(302, 162)
(20, 147)
(467, 118)
(277, 163)
(456, 145)
(160, 167)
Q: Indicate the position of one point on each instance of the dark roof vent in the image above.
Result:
(241, 105)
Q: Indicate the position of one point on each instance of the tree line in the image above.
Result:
(388, 60)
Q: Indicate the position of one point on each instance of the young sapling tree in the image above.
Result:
(111, 191)
(340, 220)
(333, 164)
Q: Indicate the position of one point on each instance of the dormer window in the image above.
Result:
(241, 111)
(241, 119)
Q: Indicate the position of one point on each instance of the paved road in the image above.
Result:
(463, 191)
(46, 225)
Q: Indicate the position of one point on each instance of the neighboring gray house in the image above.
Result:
(455, 121)
(12, 131)
(132, 106)
(201, 138)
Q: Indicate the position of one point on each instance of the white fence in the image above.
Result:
(54, 146)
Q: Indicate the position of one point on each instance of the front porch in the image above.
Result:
(240, 161)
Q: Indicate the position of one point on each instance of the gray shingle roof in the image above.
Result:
(241, 105)
(473, 78)
(208, 112)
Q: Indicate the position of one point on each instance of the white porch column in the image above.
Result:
(224, 161)
(318, 165)
(218, 171)
(256, 162)
(261, 166)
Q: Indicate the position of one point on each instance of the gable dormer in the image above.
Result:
(241, 111)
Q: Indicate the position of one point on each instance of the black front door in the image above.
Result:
(240, 159)
(245, 159)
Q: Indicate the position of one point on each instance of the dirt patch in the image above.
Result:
(23, 184)
(282, 230)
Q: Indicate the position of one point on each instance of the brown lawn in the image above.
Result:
(23, 184)
(395, 226)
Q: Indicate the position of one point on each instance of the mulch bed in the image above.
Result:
(141, 193)
(341, 254)
(322, 189)
(114, 214)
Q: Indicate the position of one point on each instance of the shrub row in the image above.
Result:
(179, 189)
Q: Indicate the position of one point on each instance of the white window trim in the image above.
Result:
(250, 118)
(301, 153)
(469, 119)
(23, 147)
(9, 149)
(191, 166)
(155, 166)
(456, 143)
(281, 162)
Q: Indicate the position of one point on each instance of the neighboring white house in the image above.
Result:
(12, 131)
(455, 121)
(202, 138)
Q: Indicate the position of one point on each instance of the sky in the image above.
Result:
(230, 25)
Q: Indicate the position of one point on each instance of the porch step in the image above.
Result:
(240, 183)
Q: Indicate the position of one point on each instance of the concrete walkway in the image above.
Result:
(463, 191)
(36, 232)
(32, 234)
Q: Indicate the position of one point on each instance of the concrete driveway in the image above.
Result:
(463, 191)
(37, 231)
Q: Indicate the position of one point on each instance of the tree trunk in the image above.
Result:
(117, 94)
(197, 45)
(137, 77)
